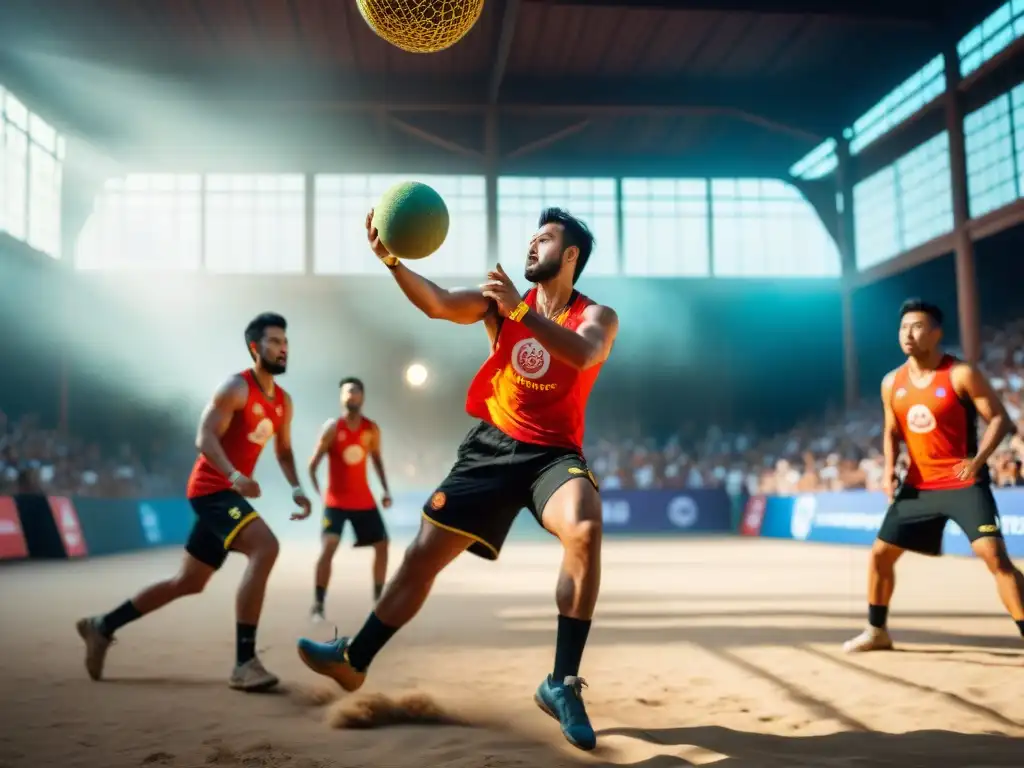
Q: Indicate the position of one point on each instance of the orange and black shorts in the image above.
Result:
(495, 477)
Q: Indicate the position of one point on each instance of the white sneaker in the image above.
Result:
(252, 677)
(96, 645)
(871, 639)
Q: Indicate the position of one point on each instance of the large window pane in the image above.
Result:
(925, 85)
(44, 202)
(995, 33)
(876, 223)
(14, 218)
(991, 167)
(342, 202)
(905, 204)
(521, 200)
(666, 227)
(765, 228)
(255, 223)
(144, 222)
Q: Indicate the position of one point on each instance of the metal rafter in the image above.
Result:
(916, 11)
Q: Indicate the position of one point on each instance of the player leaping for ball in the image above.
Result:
(931, 404)
(547, 349)
(346, 442)
(245, 413)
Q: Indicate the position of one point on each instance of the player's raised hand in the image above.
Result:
(373, 239)
(501, 290)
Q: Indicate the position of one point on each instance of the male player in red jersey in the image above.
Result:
(530, 396)
(346, 442)
(245, 413)
(932, 403)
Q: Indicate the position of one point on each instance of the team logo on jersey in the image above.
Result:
(280, 411)
(257, 410)
(530, 359)
(342, 434)
(353, 454)
(437, 500)
(920, 420)
(901, 392)
(263, 432)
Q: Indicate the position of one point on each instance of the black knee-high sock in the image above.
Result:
(878, 615)
(378, 590)
(321, 593)
(571, 640)
(117, 618)
(368, 641)
(245, 642)
(1020, 626)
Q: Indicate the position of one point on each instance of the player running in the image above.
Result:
(245, 413)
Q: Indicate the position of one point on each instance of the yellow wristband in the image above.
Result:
(390, 261)
(518, 313)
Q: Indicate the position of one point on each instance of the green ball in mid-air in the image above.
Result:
(411, 220)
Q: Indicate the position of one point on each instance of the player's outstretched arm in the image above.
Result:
(462, 306)
(286, 460)
(323, 445)
(229, 398)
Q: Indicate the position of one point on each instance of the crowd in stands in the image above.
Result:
(35, 458)
(834, 451)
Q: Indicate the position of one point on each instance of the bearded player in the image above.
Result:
(346, 442)
(931, 404)
(246, 411)
(547, 349)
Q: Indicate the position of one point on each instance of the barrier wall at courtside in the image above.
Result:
(48, 527)
(853, 517)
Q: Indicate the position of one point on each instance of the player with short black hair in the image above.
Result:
(346, 441)
(245, 412)
(931, 404)
(547, 349)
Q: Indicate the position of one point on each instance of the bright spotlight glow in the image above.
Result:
(416, 375)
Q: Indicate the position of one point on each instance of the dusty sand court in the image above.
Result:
(703, 651)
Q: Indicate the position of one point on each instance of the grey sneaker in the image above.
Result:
(96, 645)
(252, 677)
(871, 639)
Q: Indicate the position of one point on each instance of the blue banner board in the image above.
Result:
(854, 517)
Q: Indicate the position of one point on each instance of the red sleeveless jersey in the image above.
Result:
(527, 393)
(347, 485)
(938, 427)
(250, 429)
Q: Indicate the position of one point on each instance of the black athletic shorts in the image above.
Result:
(367, 524)
(220, 517)
(916, 519)
(494, 477)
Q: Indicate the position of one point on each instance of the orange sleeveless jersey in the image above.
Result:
(938, 427)
(347, 485)
(528, 394)
(249, 431)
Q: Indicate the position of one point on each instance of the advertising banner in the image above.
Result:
(110, 526)
(666, 511)
(66, 518)
(12, 538)
(854, 517)
(753, 516)
(164, 522)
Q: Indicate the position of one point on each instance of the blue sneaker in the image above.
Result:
(331, 659)
(564, 702)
